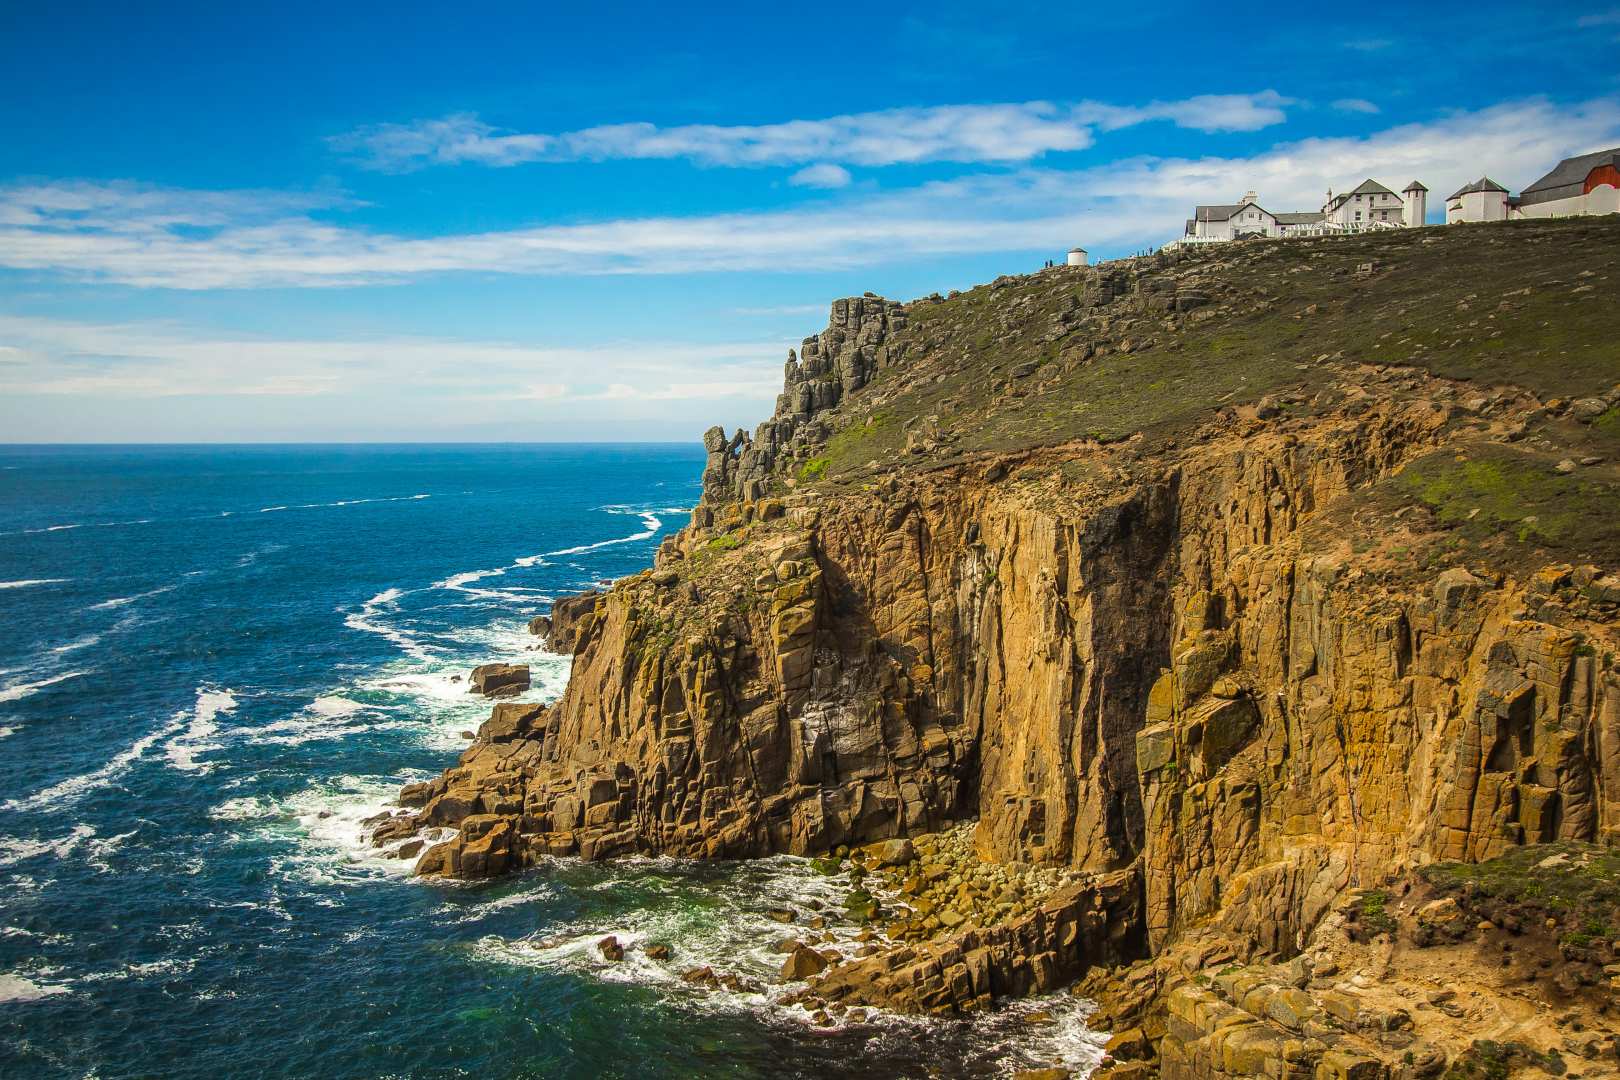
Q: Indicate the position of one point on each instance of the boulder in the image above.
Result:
(610, 948)
(802, 963)
(493, 680)
(891, 853)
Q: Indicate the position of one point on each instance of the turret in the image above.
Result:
(1077, 256)
(1414, 205)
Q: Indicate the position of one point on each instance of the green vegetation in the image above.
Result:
(1608, 425)
(1374, 914)
(724, 542)
(1586, 880)
(1030, 361)
(1487, 1060)
(813, 470)
(1492, 490)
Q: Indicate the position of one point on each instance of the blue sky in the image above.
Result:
(420, 222)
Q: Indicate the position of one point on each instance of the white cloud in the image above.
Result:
(1600, 18)
(1207, 112)
(960, 133)
(821, 176)
(130, 238)
(1356, 105)
(168, 361)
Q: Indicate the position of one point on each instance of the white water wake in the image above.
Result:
(18, 690)
(67, 792)
(368, 618)
(183, 749)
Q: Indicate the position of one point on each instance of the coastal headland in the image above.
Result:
(1229, 633)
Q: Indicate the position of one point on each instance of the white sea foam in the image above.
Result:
(723, 925)
(120, 601)
(327, 717)
(369, 617)
(16, 989)
(77, 644)
(16, 691)
(30, 582)
(69, 791)
(198, 738)
(334, 706)
(648, 518)
(341, 502)
(735, 936)
(323, 824)
(7, 732)
(14, 851)
(78, 525)
(174, 965)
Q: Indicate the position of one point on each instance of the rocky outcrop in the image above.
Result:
(1094, 922)
(835, 363)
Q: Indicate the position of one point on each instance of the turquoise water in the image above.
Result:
(217, 662)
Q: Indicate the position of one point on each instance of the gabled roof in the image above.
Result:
(1414, 186)
(1215, 213)
(1366, 187)
(1371, 187)
(1225, 211)
(1305, 218)
(1569, 178)
(1484, 183)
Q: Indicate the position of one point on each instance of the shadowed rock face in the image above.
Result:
(1212, 665)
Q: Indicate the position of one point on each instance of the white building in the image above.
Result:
(1369, 206)
(1483, 200)
(1588, 184)
(1369, 202)
(1233, 221)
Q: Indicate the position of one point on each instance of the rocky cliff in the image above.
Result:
(1245, 579)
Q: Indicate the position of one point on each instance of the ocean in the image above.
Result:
(216, 662)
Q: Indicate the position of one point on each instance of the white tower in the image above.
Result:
(1414, 205)
(1077, 256)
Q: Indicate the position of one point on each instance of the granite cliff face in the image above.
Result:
(1246, 581)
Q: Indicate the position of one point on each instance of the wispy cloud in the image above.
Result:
(1356, 105)
(179, 363)
(1599, 18)
(821, 176)
(128, 235)
(956, 133)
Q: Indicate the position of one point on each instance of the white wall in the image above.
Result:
(1479, 206)
(1601, 200)
(1414, 208)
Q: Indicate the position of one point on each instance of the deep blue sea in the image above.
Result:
(215, 662)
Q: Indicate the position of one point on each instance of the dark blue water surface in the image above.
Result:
(215, 662)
